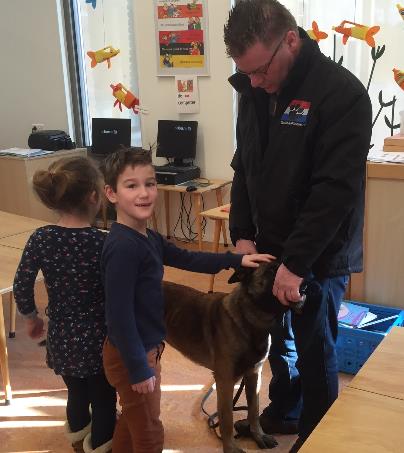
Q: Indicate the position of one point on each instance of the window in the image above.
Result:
(91, 29)
(357, 56)
(377, 76)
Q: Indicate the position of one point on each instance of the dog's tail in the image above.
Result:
(197, 406)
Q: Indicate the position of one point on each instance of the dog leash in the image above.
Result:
(212, 423)
(307, 288)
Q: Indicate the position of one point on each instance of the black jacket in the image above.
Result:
(301, 197)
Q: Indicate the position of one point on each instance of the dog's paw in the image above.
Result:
(264, 440)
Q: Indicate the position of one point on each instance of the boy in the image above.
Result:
(132, 265)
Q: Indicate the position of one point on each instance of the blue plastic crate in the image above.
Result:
(354, 346)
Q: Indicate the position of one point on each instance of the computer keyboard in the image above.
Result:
(173, 168)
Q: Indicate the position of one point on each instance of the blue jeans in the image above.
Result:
(303, 358)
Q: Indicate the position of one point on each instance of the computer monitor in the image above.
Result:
(108, 134)
(176, 139)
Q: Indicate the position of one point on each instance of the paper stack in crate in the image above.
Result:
(351, 315)
(394, 143)
(355, 344)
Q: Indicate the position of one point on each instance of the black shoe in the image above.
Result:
(296, 446)
(276, 426)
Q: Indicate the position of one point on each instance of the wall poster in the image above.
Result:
(187, 94)
(181, 34)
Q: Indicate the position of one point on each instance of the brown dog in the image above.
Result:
(229, 334)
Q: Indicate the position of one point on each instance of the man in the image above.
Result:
(303, 134)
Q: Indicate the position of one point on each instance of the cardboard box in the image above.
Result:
(394, 143)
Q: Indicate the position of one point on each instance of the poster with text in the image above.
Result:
(187, 94)
(182, 37)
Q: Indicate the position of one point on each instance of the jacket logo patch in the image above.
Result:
(296, 113)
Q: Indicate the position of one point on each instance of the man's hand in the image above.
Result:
(245, 247)
(146, 386)
(35, 327)
(286, 286)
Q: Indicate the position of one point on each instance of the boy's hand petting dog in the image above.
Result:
(146, 386)
(286, 286)
(255, 259)
(35, 327)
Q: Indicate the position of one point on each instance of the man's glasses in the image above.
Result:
(262, 70)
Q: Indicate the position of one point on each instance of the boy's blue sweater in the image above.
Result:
(132, 268)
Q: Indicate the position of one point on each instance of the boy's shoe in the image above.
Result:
(278, 426)
(269, 426)
(296, 446)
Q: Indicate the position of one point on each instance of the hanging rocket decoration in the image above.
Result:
(358, 31)
(399, 78)
(92, 2)
(315, 33)
(101, 55)
(400, 10)
(127, 98)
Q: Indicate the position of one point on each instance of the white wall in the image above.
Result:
(215, 138)
(215, 129)
(31, 76)
(32, 86)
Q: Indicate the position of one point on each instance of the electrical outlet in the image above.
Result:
(38, 127)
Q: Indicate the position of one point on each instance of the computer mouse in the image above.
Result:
(191, 188)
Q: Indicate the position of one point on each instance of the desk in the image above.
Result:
(14, 232)
(12, 224)
(215, 184)
(383, 373)
(219, 216)
(16, 241)
(360, 422)
(9, 259)
(368, 415)
(16, 194)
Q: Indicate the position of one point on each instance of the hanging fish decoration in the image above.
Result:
(358, 31)
(400, 10)
(315, 33)
(127, 98)
(101, 55)
(399, 78)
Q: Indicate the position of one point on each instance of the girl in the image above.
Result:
(68, 254)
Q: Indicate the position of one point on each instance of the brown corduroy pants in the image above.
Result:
(139, 428)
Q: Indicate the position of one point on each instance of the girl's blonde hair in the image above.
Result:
(68, 184)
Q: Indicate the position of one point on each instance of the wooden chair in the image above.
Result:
(220, 215)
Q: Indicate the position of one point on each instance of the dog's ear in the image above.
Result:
(242, 274)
